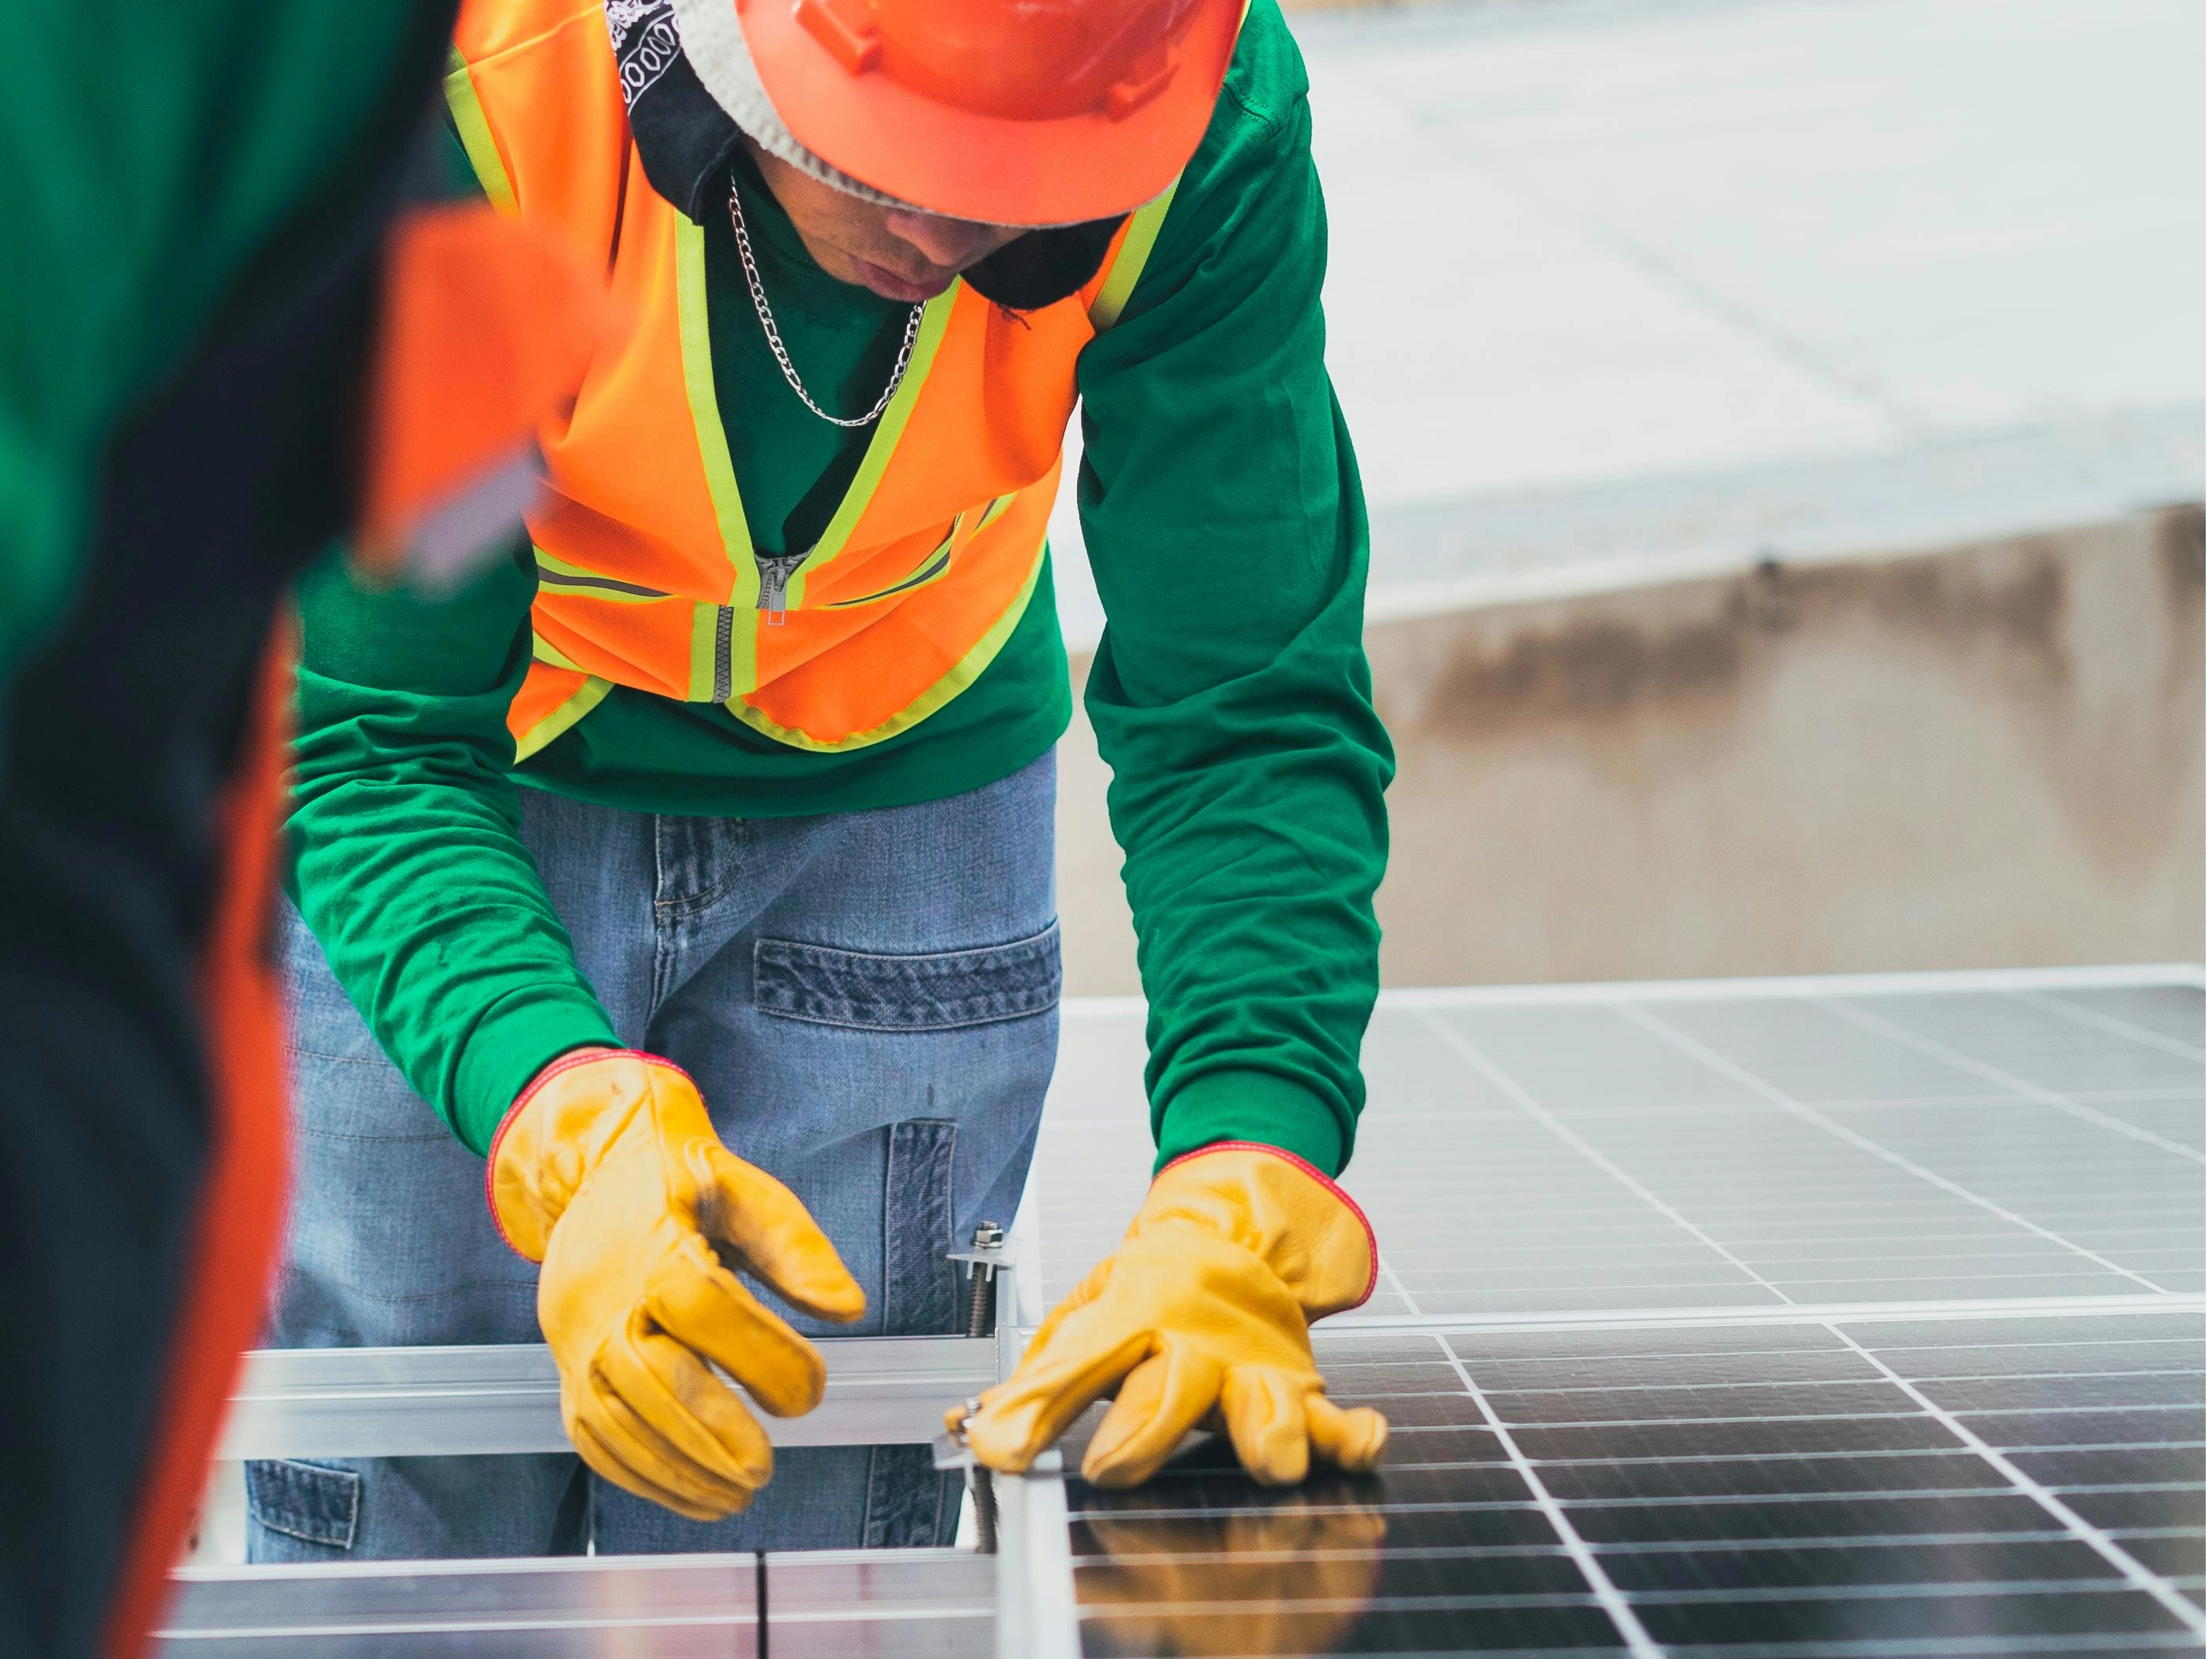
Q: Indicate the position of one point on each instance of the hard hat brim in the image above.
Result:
(998, 169)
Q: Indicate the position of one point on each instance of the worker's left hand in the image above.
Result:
(1199, 1319)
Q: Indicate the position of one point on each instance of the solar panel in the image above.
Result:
(1803, 1319)
(1850, 1318)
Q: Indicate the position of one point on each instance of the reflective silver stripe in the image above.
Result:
(934, 568)
(561, 579)
(725, 620)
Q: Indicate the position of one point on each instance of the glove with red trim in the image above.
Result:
(1199, 1320)
(608, 1172)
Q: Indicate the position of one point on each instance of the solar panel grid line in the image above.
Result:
(1824, 1382)
(2110, 1022)
(1467, 1051)
(1920, 1312)
(1946, 1588)
(1389, 1277)
(2096, 1539)
(2125, 976)
(1797, 1108)
(1901, 1539)
(1870, 1020)
(1705, 1501)
(1609, 1598)
(1770, 1313)
(1858, 1454)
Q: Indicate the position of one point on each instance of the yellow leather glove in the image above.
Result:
(1199, 1318)
(607, 1170)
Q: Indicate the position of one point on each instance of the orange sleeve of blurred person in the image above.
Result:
(488, 327)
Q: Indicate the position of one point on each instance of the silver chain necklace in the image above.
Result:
(776, 338)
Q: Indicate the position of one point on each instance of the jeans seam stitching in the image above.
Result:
(966, 1023)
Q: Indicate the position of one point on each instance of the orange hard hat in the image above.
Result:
(1011, 111)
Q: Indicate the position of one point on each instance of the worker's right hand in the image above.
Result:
(608, 1172)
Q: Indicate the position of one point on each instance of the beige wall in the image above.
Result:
(1988, 757)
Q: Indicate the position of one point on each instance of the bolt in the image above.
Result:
(983, 1300)
(981, 1495)
(985, 1498)
(982, 1282)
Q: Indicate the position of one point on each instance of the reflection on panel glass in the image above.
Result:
(1260, 1582)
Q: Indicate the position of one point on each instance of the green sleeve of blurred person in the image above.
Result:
(148, 153)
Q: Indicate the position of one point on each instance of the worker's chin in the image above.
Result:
(892, 286)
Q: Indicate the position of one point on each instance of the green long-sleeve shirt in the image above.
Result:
(147, 155)
(1222, 512)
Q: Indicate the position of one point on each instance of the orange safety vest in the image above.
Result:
(647, 574)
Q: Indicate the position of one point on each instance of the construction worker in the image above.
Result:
(694, 868)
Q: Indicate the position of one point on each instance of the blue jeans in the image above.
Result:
(870, 1002)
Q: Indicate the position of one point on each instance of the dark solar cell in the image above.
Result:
(2104, 1465)
(1830, 1515)
(1769, 1624)
(1497, 1632)
(1794, 1565)
(2122, 1508)
(1889, 1431)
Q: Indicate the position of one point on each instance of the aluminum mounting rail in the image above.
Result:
(456, 1401)
(917, 1604)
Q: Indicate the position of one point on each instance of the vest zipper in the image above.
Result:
(774, 577)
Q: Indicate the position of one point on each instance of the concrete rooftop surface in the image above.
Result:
(1623, 290)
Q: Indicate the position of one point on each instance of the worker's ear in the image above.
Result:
(1043, 267)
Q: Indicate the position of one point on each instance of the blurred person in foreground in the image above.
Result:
(695, 866)
(229, 339)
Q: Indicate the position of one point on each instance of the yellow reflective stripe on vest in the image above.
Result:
(550, 657)
(956, 680)
(476, 134)
(706, 414)
(1137, 246)
(588, 696)
(934, 317)
(1130, 263)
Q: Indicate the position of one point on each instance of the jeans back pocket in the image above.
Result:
(925, 991)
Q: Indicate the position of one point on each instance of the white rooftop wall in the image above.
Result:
(1628, 289)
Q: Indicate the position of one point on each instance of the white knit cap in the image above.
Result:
(714, 43)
